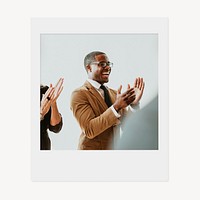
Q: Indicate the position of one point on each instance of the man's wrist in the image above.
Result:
(115, 112)
(116, 108)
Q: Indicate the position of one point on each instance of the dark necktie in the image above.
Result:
(106, 96)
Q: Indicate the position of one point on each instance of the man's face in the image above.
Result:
(98, 70)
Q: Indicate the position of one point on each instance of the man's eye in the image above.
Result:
(102, 64)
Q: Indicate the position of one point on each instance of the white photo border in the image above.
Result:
(125, 165)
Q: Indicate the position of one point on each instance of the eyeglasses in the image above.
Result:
(103, 64)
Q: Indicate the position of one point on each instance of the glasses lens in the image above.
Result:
(104, 64)
(110, 64)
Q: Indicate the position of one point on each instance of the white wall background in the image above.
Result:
(62, 55)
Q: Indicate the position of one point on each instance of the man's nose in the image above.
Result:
(107, 67)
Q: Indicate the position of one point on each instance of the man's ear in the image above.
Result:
(89, 69)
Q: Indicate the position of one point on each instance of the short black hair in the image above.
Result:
(91, 58)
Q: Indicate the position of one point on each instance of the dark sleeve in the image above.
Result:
(57, 127)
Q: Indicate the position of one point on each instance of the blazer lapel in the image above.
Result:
(112, 96)
(95, 94)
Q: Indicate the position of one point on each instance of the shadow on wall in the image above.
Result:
(140, 130)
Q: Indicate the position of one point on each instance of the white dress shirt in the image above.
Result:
(97, 85)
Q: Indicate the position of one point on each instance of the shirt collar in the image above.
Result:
(95, 84)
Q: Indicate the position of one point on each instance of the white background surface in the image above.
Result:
(184, 100)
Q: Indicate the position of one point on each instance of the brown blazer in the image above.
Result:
(96, 120)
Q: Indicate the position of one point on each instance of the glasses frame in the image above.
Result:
(110, 64)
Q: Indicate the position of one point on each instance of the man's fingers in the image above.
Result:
(119, 90)
(136, 82)
(131, 98)
(141, 86)
(128, 92)
(129, 95)
(140, 83)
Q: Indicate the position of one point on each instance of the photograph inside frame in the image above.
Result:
(99, 91)
(103, 88)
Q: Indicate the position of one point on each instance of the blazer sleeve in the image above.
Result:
(83, 111)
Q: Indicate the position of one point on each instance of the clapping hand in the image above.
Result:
(46, 101)
(57, 90)
(139, 88)
(124, 99)
(50, 97)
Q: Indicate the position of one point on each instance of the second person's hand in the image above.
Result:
(57, 90)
